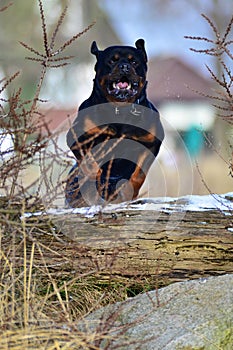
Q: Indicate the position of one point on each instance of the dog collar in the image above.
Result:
(133, 110)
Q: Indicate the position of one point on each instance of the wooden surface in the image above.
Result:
(173, 245)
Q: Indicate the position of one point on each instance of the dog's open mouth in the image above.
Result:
(123, 88)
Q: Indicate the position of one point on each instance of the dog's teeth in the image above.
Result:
(120, 86)
(115, 86)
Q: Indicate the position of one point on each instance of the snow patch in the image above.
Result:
(223, 203)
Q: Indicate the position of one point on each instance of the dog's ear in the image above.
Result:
(140, 45)
(94, 49)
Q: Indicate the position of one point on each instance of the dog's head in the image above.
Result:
(121, 71)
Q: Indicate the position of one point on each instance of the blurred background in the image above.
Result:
(197, 151)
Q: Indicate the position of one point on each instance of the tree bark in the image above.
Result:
(173, 246)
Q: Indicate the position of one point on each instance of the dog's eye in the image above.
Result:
(114, 59)
(132, 60)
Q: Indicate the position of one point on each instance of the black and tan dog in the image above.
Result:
(117, 133)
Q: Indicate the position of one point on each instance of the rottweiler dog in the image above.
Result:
(117, 133)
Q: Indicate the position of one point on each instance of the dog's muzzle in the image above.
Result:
(123, 83)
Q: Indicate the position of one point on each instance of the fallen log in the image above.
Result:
(168, 246)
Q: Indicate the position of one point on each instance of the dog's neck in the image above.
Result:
(132, 108)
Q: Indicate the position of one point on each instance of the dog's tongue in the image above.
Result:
(122, 85)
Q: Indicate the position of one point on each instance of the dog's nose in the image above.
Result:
(124, 67)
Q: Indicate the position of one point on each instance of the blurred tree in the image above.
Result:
(21, 22)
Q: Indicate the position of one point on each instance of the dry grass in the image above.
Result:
(48, 283)
(44, 288)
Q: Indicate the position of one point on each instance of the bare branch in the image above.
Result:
(31, 49)
(200, 38)
(45, 37)
(59, 23)
(228, 30)
(8, 81)
(6, 7)
(75, 37)
(214, 28)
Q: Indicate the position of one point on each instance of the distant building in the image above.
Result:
(181, 93)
